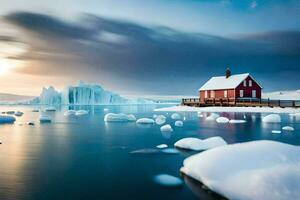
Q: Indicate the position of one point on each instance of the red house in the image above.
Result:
(237, 87)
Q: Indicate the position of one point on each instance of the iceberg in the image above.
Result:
(198, 144)
(120, 117)
(179, 123)
(168, 180)
(288, 128)
(175, 116)
(272, 118)
(49, 96)
(160, 119)
(222, 120)
(81, 112)
(45, 119)
(145, 121)
(166, 128)
(250, 171)
(4, 119)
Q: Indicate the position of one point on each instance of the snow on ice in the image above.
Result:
(145, 121)
(197, 144)
(166, 128)
(178, 123)
(120, 117)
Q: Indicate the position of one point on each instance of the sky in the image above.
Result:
(157, 47)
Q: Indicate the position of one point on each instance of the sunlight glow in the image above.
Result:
(5, 66)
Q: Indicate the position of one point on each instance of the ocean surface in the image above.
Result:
(85, 158)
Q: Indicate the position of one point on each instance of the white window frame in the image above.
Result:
(205, 94)
(254, 92)
(250, 83)
(245, 83)
(212, 94)
(241, 93)
(225, 93)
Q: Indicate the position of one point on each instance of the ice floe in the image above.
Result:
(35, 110)
(120, 117)
(45, 119)
(50, 109)
(18, 113)
(250, 171)
(175, 116)
(288, 128)
(166, 128)
(81, 112)
(145, 121)
(197, 144)
(212, 117)
(160, 119)
(168, 180)
(178, 123)
(272, 118)
(162, 146)
(10, 112)
(237, 121)
(222, 120)
(7, 119)
(69, 113)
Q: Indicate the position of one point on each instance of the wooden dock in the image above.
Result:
(197, 102)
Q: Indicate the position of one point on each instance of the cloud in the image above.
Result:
(130, 56)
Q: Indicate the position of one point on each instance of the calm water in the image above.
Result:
(86, 158)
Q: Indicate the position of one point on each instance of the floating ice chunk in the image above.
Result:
(45, 119)
(237, 121)
(160, 119)
(198, 144)
(4, 119)
(175, 116)
(35, 110)
(276, 131)
(10, 112)
(252, 170)
(121, 117)
(18, 113)
(170, 151)
(189, 143)
(30, 123)
(154, 116)
(105, 109)
(70, 113)
(50, 109)
(222, 120)
(162, 146)
(212, 117)
(166, 128)
(272, 118)
(168, 180)
(81, 112)
(288, 128)
(145, 121)
(179, 123)
(199, 114)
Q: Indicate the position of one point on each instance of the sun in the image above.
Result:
(5, 66)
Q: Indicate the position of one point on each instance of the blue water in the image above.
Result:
(86, 158)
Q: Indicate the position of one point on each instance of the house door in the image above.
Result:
(253, 93)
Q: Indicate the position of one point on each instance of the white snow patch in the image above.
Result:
(7, 119)
(228, 109)
(45, 119)
(166, 128)
(222, 120)
(272, 118)
(237, 121)
(162, 146)
(288, 128)
(179, 123)
(276, 131)
(120, 117)
(160, 119)
(249, 171)
(145, 121)
(168, 180)
(70, 113)
(175, 116)
(81, 112)
(198, 144)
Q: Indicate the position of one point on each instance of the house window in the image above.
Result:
(245, 83)
(225, 93)
(241, 93)
(212, 94)
(250, 83)
(205, 94)
(253, 93)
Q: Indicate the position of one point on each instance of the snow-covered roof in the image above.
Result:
(221, 82)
